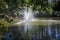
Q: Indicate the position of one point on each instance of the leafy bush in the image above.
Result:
(3, 29)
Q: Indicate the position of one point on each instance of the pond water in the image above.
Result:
(37, 30)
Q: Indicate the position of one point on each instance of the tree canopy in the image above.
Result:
(8, 5)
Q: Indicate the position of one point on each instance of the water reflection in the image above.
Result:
(39, 32)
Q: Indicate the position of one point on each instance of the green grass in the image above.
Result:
(5, 23)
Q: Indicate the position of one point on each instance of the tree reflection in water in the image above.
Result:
(37, 33)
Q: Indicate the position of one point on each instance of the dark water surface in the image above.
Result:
(38, 31)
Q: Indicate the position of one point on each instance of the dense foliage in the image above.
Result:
(8, 6)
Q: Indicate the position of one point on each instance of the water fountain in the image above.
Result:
(28, 16)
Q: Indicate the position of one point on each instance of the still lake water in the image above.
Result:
(37, 30)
